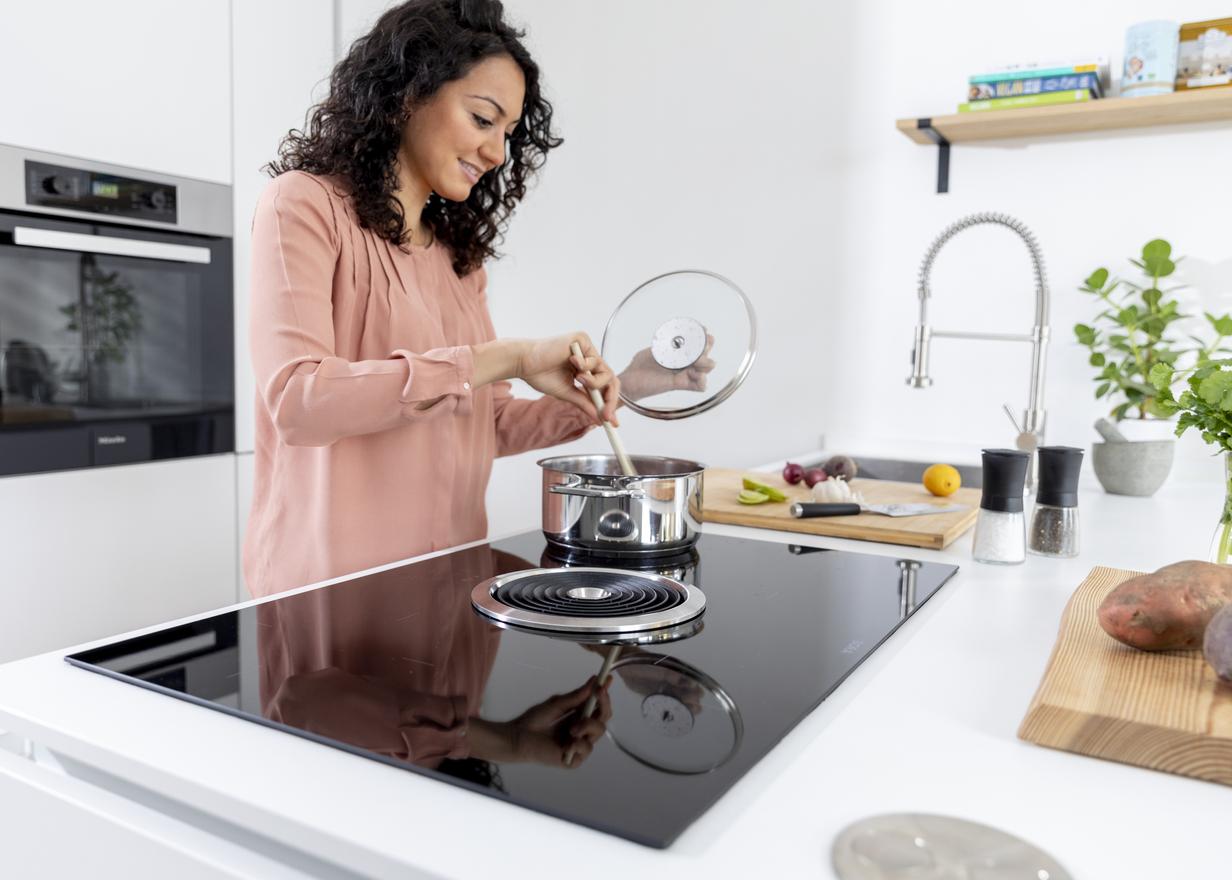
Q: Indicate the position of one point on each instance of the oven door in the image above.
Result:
(116, 344)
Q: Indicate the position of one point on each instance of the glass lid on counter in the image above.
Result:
(682, 342)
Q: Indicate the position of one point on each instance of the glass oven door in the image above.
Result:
(116, 344)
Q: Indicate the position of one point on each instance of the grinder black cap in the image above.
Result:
(1058, 475)
(1005, 473)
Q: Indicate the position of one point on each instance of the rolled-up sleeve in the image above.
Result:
(313, 396)
(522, 425)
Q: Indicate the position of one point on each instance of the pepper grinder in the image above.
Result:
(1000, 527)
(1054, 521)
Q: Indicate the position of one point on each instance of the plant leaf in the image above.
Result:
(1097, 279)
(1156, 249)
(1215, 387)
(1161, 376)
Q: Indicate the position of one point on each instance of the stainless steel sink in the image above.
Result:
(905, 471)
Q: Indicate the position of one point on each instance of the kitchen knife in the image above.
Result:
(809, 509)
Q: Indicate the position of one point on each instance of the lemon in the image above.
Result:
(942, 479)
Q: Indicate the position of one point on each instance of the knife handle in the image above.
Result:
(810, 508)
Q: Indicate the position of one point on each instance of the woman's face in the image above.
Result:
(458, 134)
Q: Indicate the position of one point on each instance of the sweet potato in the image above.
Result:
(1217, 643)
(1169, 609)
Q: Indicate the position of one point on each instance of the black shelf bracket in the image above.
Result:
(925, 124)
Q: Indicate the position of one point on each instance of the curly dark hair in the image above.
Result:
(355, 133)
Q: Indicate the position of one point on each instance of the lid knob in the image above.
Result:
(678, 343)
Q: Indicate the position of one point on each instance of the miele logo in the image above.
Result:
(110, 439)
(852, 647)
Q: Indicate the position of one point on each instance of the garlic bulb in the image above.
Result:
(836, 491)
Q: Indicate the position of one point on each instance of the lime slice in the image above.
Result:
(748, 496)
(769, 491)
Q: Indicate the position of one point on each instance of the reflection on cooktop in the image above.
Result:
(399, 667)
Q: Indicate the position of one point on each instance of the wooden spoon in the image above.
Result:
(626, 464)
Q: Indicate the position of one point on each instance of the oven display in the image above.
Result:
(79, 189)
(104, 189)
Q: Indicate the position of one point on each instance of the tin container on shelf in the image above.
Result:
(1150, 59)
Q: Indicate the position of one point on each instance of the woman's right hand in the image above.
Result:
(549, 366)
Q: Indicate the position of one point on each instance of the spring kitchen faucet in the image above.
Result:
(1031, 428)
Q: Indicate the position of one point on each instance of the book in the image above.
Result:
(1072, 96)
(1009, 88)
(1205, 54)
(1098, 66)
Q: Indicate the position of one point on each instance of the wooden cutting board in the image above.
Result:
(1165, 710)
(934, 531)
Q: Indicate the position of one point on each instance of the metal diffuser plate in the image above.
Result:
(587, 601)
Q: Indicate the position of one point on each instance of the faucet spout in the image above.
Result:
(1034, 417)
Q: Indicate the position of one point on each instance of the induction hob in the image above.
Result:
(397, 666)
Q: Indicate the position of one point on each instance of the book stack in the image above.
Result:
(1035, 86)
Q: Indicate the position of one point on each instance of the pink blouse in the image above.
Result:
(349, 336)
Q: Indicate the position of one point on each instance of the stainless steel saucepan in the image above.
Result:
(590, 505)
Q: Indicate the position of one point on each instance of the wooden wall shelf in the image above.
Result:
(1107, 114)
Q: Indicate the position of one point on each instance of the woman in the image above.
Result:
(382, 392)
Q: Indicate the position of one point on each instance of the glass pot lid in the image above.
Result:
(682, 342)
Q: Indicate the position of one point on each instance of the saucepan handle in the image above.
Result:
(591, 492)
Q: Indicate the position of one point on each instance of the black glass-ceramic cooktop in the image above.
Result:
(399, 667)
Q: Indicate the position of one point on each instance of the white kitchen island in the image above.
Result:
(122, 777)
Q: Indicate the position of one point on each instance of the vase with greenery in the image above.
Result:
(1205, 404)
(1136, 331)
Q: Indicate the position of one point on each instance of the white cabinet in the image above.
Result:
(92, 553)
(143, 83)
(283, 53)
(244, 473)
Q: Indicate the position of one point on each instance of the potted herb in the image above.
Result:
(1134, 332)
(1205, 404)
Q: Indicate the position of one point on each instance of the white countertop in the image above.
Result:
(926, 724)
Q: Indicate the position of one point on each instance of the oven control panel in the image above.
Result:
(77, 189)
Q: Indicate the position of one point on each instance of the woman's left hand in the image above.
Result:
(548, 365)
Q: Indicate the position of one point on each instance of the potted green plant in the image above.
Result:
(1134, 332)
(1205, 404)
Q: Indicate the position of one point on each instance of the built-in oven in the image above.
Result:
(116, 315)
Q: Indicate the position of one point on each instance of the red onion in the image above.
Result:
(813, 476)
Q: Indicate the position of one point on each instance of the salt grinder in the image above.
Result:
(1054, 522)
(1001, 528)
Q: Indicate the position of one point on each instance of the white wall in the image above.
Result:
(143, 83)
